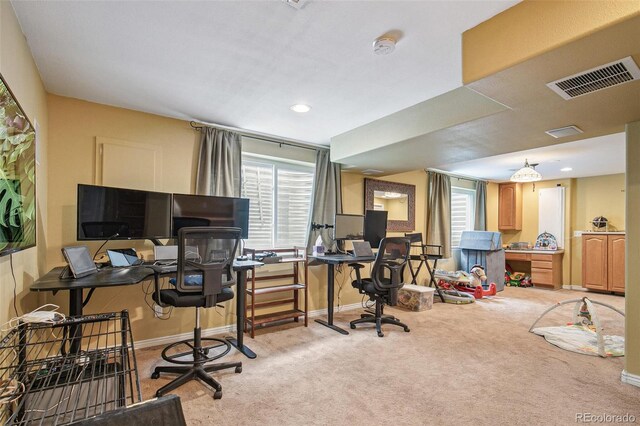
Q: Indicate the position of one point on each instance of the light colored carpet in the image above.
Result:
(473, 364)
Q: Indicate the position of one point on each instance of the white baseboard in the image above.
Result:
(225, 329)
(166, 340)
(343, 308)
(574, 287)
(630, 379)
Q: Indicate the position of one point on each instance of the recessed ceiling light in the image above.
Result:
(300, 108)
(566, 169)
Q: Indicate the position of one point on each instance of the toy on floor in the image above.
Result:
(476, 284)
(516, 279)
(584, 334)
(467, 283)
(445, 281)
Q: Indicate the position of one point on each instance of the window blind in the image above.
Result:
(279, 202)
(258, 187)
(294, 203)
(462, 205)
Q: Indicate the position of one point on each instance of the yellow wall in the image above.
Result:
(585, 199)
(75, 124)
(20, 73)
(529, 230)
(531, 28)
(632, 252)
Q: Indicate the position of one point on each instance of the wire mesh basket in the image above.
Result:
(53, 374)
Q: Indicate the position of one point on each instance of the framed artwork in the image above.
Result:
(17, 175)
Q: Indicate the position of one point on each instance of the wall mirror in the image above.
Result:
(398, 199)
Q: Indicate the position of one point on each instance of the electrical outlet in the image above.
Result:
(158, 310)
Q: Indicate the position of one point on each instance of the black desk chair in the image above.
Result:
(392, 257)
(203, 278)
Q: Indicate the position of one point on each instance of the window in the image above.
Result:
(462, 212)
(280, 202)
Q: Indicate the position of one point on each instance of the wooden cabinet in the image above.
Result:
(603, 262)
(546, 268)
(615, 258)
(510, 207)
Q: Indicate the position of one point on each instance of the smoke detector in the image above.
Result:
(384, 45)
(296, 4)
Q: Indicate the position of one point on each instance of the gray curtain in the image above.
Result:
(327, 198)
(439, 211)
(481, 206)
(219, 163)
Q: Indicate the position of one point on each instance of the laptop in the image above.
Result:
(120, 258)
(362, 249)
(165, 255)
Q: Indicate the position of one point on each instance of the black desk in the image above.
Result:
(331, 262)
(112, 277)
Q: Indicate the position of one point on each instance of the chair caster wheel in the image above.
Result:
(353, 327)
(155, 375)
(205, 351)
(238, 370)
(380, 334)
(406, 329)
(217, 394)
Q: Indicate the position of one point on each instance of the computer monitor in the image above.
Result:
(375, 226)
(204, 210)
(348, 227)
(123, 214)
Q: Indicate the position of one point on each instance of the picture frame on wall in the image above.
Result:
(17, 175)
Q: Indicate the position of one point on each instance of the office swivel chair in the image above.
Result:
(203, 278)
(385, 281)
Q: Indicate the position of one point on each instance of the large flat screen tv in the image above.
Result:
(203, 210)
(104, 212)
(17, 175)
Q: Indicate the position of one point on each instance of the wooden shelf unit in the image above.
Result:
(290, 291)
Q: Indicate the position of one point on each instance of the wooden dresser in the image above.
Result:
(546, 265)
(603, 261)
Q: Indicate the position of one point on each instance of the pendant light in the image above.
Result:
(526, 174)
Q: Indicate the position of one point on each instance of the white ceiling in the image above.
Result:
(243, 63)
(604, 155)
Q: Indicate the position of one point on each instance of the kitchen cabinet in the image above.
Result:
(510, 206)
(603, 261)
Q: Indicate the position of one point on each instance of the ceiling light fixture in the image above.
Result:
(300, 108)
(526, 174)
(384, 45)
(566, 169)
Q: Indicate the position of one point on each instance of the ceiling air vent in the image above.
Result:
(371, 172)
(595, 79)
(564, 131)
